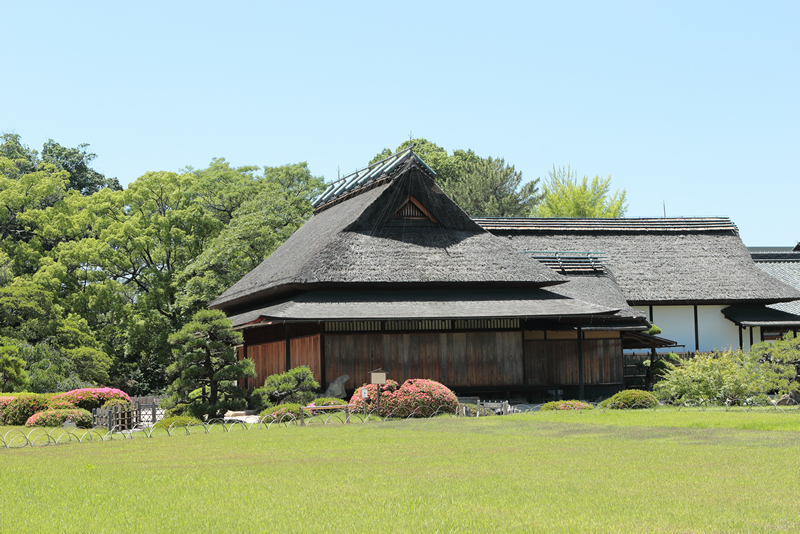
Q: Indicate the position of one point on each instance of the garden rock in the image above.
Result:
(336, 388)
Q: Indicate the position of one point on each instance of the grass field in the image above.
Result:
(648, 471)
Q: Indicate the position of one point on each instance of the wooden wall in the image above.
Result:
(556, 362)
(455, 359)
(305, 351)
(270, 359)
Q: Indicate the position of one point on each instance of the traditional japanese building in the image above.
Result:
(390, 273)
(693, 276)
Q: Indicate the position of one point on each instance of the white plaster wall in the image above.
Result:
(715, 331)
(676, 323)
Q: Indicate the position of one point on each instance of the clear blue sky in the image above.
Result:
(692, 104)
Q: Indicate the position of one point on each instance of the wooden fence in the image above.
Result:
(141, 413)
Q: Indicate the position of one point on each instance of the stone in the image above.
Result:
(336, 388)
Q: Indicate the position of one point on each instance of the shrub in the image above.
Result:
(4, 401)
(90, 398)
(630, 399)
(50, 417)
(296, 386)
(60, 404)
(416, 397)
(19, 410)
(118, 402)
(731, 376)
(212, 411)
(566, 405)
(177, 420)
(282, 412)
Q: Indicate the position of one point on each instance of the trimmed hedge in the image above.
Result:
(81, 418)
(566, 405)
(630, 399)
(60, 404)
(90, 398)
(22, 407)
(177, 420)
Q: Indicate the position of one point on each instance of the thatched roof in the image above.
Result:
(394, 304)
(785, 267)
(599, 288)
(657, 261)
(395, 229)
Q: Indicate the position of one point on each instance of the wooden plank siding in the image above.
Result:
(553, 363)
(455, 359)
(305, 351)
(269, 358)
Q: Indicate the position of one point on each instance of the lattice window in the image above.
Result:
(413, 209)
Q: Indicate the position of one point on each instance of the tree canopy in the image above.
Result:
(95, 278)
(564, 195)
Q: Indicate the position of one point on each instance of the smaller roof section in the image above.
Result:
(367, 177)
(763, 316)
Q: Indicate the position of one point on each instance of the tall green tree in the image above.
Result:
(205, 359)
(76, 161)
(564, 195)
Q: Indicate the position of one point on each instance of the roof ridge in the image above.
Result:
(638, 224)
(364, 179)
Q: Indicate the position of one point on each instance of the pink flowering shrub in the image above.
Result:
(4, 401)
(567, 405)
(59, 404)
(417, 397)
(22, 407)
(81, 418)
(90, 398)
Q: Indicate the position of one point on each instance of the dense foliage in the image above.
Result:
(731, 376)
(94, 278)
(415, 398)
(294, 386)
(205, 359)
(57, 417)
(90, 398)
(566, 196)
(785, 351)
(566, 405)
(19, 410)
(630, 399)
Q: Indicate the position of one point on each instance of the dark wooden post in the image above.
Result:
(696, 331)
(741, 343)
(288, 347)
(580, 363)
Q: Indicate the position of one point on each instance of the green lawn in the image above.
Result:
(648, 471)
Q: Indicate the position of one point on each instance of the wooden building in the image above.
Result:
(389, 272)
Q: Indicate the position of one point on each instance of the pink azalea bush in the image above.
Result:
(567, 405)
(4, 401)
(21, 407)
(417, 397)
(90, 398)
(81, 418)
(60, 404)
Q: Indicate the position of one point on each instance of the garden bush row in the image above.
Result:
(19, 409)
